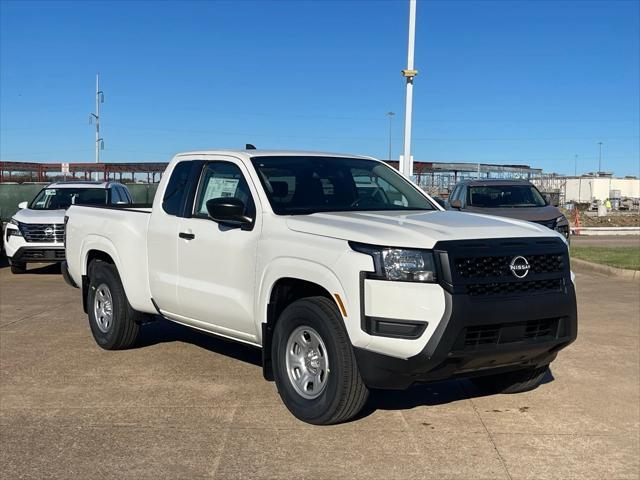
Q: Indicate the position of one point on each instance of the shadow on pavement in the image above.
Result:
(162, 331)
(431, 394)
(37, 268)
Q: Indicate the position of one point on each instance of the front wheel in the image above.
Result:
(18, 267)
(315, 369)
(512, 382)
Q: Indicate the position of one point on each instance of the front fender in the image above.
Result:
(301, 269)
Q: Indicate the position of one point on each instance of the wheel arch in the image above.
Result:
(285, 289)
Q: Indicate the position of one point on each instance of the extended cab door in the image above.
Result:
(216, 263)
(162, 234)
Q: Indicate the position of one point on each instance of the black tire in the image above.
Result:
(18, 267)
(123, 329)
(344, 393)
(512, 382)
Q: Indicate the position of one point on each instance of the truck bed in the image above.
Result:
(121, 232)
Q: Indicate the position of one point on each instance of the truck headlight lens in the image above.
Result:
(400, 264)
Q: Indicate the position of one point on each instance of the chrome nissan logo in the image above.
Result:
(519, 267)
(48, 231)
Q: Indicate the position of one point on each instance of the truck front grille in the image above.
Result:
(43, 232)
(489, 268)
(498, 266)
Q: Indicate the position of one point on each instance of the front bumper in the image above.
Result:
(37, 254)
(481, 337)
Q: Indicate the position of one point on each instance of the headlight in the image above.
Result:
(563, 229)
(13, 232)
(400, 264)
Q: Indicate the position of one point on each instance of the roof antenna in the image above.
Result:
(248, 146)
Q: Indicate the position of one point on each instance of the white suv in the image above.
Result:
(36, 232)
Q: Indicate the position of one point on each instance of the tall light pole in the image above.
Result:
(390, 115)
(599, 157)
(406, 165)
(95, 117)
(575, 165)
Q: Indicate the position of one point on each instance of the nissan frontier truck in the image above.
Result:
(347, 276)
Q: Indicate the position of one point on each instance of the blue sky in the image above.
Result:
(502, 82)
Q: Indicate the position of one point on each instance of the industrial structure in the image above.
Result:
(45, 172)
(436, 178)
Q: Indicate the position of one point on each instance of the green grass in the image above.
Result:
(620, 257)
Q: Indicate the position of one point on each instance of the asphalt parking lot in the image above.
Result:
(186, 405)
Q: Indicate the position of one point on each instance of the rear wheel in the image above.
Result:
(314, 366)
(18, 267)
(512, 382)
(114, 324)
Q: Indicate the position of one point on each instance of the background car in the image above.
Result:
(35, 233)
(517, 199)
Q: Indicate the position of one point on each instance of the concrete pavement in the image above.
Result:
(186, 405)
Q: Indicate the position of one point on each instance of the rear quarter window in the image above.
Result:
(174, 194)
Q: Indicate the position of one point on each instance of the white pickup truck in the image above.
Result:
(346, 275)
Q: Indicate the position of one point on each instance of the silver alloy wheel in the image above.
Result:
(307, 362)
(103, 308)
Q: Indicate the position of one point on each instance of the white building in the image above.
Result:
(587, 188)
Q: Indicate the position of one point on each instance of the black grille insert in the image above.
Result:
(483, 336)
(516, 287)
(35, 254)
(498, 266)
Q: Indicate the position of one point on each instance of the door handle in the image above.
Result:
(187, 236)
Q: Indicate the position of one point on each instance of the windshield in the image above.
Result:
(302, 185)
(500, 196)
(63, 198)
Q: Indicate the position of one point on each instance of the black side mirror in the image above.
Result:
(229, 211)
(457, 204)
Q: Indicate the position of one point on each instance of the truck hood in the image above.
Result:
(413, 230)
(530, 214)
(27, 215)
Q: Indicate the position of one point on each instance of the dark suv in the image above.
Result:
(517, 199)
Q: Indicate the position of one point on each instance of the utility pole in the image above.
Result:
(390, 115)
(575, 165)
(406, 164)
(95, 117)
(599, 157)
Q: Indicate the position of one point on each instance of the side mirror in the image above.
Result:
(228, 211)
(457, 204)
(22, 205)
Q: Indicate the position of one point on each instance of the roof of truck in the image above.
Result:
(270, 153)
(82, 184)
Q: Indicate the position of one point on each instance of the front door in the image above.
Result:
(216, 263)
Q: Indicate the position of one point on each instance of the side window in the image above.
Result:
(115, 195)
(455, 194)
(176, 190)
(222, 180)
(463, 196)
(124, 194)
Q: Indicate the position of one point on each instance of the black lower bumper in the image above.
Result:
(481, 337)
(38, 254)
